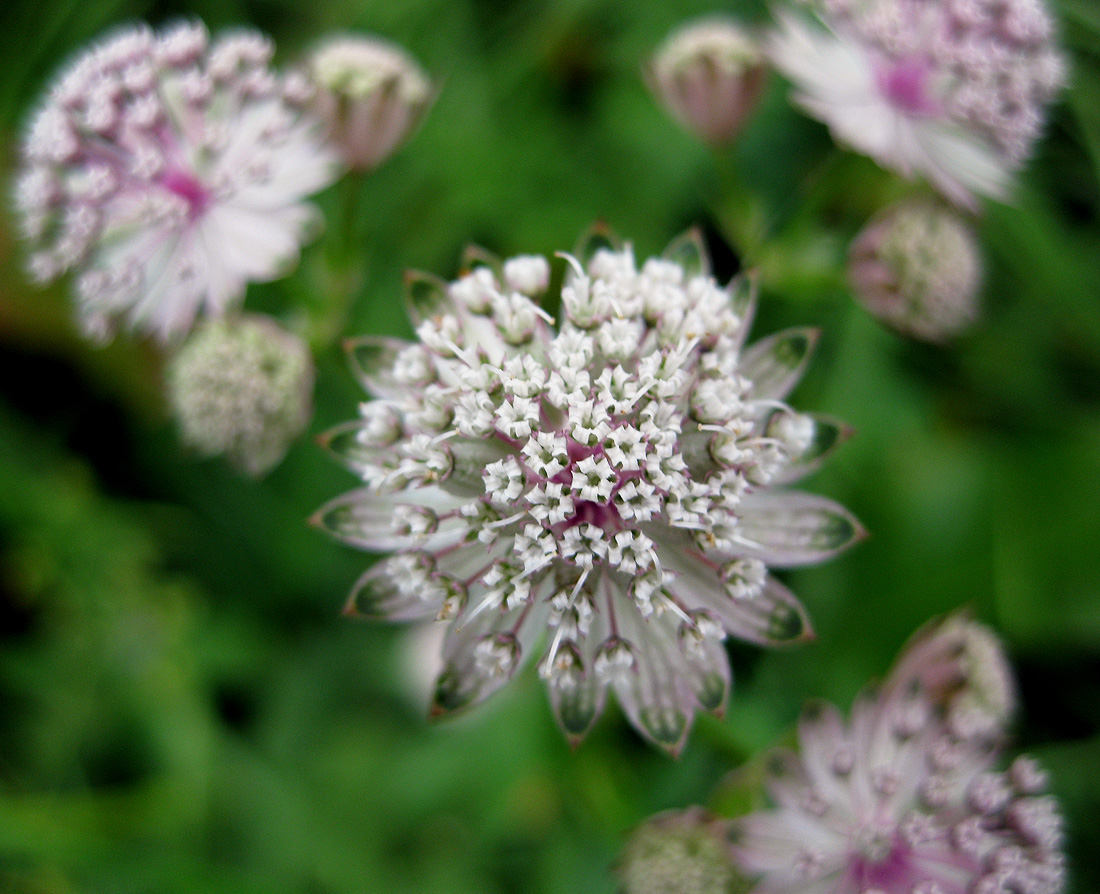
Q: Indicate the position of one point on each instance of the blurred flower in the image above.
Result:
(608, 486)
(917, 268)
(954, 90)
(902, 800)
(679, 852)
(371, 94)
(709, 75)
(242, 387)
(960, 666)
(168, 172)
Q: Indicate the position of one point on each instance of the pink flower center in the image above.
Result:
(893, 872)
(189, 188)
(905, 84)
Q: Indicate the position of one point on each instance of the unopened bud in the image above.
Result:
(241, 387)
(960, 666)
(918, 269)
(682, 851)
(709, 75)
(371, 94)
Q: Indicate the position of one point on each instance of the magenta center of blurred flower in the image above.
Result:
(188, 188)
(905, 84)
(892, 872)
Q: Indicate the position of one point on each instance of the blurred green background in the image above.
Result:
(183, 709)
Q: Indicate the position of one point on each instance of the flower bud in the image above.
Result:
(917, 268)
(241, 387)
(371, 93)
(709, 75)
(960, 666)
(682, 851)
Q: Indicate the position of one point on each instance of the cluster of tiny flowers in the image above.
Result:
(955, 90)
(709, 75)
(167, 171)
(370, 93)
(241, 387)
(602, 491)
(917, 267)
(906, 798)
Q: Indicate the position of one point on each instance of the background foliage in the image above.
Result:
(183, 709)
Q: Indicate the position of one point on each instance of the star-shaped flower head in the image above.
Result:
(951, 90)
(907, 797)
(166, 171)
(602, 493)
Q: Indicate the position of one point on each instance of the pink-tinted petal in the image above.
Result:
(788, 529)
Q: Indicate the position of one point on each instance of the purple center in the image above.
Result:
(188, 188)
(905, 84)
(894, 872)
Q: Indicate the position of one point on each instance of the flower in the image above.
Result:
(242, 387)
(168, 171)
(685, 852)
(371, 94)
(954, 90)
(904, 799)
(917, 267)
(709, 75)
(602, 495)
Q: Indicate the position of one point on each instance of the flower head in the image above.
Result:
(904, 799)
(680, 851)
(167, 171)
(601, 494)
(953, 90)
(709, 75)
(917, 268)
(371, 94)
(242, 387)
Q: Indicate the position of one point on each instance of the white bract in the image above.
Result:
(952, 90)
(602, 495)
(167, 171)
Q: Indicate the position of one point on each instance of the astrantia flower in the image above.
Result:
(917, 268)
(601, 495)
(370, 93)
(903, 799)
(167, 171)
(952, 90)
(242, 387)
(709, 75)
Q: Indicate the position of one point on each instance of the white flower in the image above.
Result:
(709, 75)
(242, 387)
(585, 510)
(917, 267)
(167, 172)
(371, 94)
(905, 799)
(953, 90)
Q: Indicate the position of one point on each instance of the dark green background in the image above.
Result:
(183, 709)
